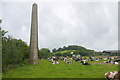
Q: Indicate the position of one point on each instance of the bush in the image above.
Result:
(14, 51)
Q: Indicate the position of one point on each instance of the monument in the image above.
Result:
(33, 56)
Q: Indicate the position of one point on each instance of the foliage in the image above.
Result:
(44, 53)
(70, 47)
(14, 51)
(77, 50)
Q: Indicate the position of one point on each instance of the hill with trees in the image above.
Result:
(72, 49)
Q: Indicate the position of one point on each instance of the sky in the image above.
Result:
(93, 25)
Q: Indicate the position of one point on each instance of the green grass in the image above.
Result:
(66, 51)
(47, 70)
(0, 76)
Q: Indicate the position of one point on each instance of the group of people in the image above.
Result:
(67, 60)
(55, 60)
(83, 60)
(115, 75)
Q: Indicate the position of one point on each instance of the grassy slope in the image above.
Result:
(66, 51)
(47, 70)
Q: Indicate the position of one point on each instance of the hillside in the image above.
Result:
(73, 50)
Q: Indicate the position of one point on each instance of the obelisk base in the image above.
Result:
(33, 61)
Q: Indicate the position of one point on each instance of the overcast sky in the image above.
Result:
(93, 25)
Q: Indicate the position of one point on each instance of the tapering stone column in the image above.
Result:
(33, 56)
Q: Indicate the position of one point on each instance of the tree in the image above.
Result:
(54, 50)
(4, 32)
(14, 51)
(78, 50)
(44, 53)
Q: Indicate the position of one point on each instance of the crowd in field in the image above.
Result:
(115, 75)
(84, 60)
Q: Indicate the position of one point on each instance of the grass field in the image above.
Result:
(46, 69)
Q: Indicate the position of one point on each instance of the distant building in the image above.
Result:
(111, 51)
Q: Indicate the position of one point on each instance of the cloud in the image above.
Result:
(0, 10)
(93, 25)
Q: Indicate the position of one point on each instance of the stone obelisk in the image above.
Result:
(33, 56)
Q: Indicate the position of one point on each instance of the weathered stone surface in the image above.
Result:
(33, 56)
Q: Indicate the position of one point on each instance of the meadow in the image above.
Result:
(46, 69)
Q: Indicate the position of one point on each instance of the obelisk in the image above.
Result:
(33, 56)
